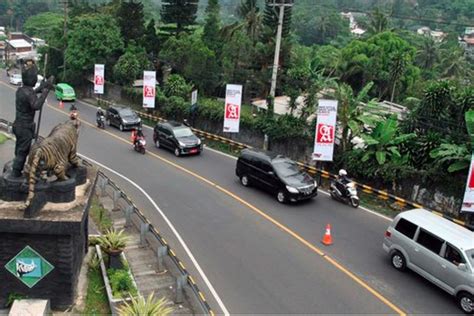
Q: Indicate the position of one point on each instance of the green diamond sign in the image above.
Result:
(29, 267)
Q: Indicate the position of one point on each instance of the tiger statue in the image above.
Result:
(53, 153)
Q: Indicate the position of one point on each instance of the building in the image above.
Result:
(467, 41)
(437, 36)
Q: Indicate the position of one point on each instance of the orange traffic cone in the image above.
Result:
(327, 239)
(61, 104)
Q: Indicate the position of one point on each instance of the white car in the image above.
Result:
(16, 79)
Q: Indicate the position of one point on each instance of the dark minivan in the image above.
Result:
(177, 137)
(276, 174)
(122, 117)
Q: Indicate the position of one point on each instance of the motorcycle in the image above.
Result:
(101, 121)
(349, 196)
(139, 145)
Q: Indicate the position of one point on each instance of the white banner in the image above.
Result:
(149, 89)
(233, 99)
(194, 97)
(325, 130)
(99, 79)
(468, 201)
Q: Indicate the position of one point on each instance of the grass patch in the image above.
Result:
(3, 138)
(100, 215)
(96, 300)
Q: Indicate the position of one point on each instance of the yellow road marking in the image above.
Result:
(264, 215)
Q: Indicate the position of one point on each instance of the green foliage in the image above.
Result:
(100, 216)
(130, 19)
(130, 65)
(151, 40)
(179, 12)
(3, 138)
(189, 56)
(121, 283)
(140, 306)
(177, 86)
(382, 143)
(113, 240)
(92, 39)
(282, 127)
(14, 296)
(457, 157)
(96, 298)
(43, 25)
(211, 35)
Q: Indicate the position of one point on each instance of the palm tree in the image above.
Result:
(397, 69)
(454, 65)
(427, 54)
(251, 22)
(378, 22)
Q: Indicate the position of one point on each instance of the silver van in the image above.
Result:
(436, 248)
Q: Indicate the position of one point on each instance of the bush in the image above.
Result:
(121, 282)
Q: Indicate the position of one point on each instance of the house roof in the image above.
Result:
(19, 43)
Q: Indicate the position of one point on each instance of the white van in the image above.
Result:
(436, 248)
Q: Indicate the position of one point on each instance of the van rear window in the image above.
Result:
(406, 228)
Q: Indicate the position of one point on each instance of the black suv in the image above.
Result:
(177, 137)
(276, 174)
(122, 117)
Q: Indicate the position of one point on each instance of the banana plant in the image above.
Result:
(458, 156)
(382, 142)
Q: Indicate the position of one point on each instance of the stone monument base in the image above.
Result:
(41, 257)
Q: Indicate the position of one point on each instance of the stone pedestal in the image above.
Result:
(52, 247)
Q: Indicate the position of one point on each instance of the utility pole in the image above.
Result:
(281, 4)
(65, 4)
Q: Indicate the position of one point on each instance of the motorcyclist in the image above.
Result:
(73, 114)
(137, 134)
(100, 113)
(341, 181)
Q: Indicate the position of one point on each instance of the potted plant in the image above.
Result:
(113, 242)
(139, 306)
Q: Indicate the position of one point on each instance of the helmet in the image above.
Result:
(99, 109)
(342, 172)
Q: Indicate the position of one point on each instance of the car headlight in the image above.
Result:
(199, 141)
(181, 144)
(315, 183)
(139, 120)
(124, 121)
(292, 189)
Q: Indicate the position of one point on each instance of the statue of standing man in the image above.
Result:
(27, 103)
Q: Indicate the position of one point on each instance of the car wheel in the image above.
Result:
(399, 261)
(466, 302)
(121, 127)
(245, 180)
(176, 152)
(281, 197)
(157, 143)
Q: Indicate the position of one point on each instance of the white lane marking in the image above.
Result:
(173, 229)
(235, 158)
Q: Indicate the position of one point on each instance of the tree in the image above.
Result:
(211, 35)
(92, 39)
(131, 65)
(177, 86)
(397, 69)
(151, 39)
(427, 54)
(180, 12)
(251, 21)
(378, 22)
(131, 20)
(457, 157)
(189, 56)
(382, 142)
(44, 25)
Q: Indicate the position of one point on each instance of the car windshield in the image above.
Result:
(126, 113)
(68, 90)
(183, 132)
(470, 256)
(286, 168)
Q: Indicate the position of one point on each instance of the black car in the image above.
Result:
(122, 117)
(276, 174)
(177, 137)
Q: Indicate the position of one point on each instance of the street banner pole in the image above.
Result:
(233, 100)
(468, 200)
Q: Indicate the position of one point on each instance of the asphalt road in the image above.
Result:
(261, 257)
